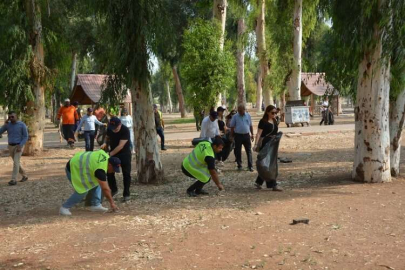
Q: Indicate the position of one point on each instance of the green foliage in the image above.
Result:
(206, 69)
(352, 37)
(280, 36)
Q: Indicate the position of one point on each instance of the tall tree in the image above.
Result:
(219, 14)
(295, 82)
(36, 108)
(366, 38)
(134, 38)
(263, 86)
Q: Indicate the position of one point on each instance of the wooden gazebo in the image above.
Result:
(314, 84)
(88, 89)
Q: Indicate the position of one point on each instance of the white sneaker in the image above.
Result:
(64, 211)
(98, 208)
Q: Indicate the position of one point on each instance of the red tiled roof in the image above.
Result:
(92, 85)
(315, 83)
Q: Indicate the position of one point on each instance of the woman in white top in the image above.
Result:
(89, 121)
(126, 120)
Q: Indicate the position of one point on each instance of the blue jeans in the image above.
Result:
(77, 198)
(89, 139)
(161, 134)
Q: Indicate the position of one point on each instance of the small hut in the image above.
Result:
(314, 84)
(88, 89)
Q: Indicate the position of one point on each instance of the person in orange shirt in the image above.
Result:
(69, 117)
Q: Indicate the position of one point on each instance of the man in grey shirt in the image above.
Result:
(241, 125)
(17, 137)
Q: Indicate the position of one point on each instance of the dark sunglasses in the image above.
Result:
(273, 113)
(11, 116)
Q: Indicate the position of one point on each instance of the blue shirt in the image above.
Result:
(241, 123)
(17, 133)
(89, 123)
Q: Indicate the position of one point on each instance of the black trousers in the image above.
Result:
(197, 186)
(243, 139)
(126, 172)
(69, 133)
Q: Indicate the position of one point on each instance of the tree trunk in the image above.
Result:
(372, 136)
(259, 92)
(35, 109)
(149, 166)
(240, 55)
(73, 74)
(219, 14)
(397, 118)
(169, 99)
(179, 91)
(282, 106)
(295, 84)
(262, 53)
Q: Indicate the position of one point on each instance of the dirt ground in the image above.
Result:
(352, 225)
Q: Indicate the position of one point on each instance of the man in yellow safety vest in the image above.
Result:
(87, 172)
(200, 165)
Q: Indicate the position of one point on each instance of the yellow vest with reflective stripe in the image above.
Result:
(83, 166)
(195, 163)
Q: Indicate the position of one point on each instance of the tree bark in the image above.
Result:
(73, 73)
(372, 137)
(259, 92)
(169, 98)
(35, 109)
(179, 91)
(219, 14)
(240, 55)
(149, 165)
(397, 118)
(262, 53)
(295, 83)
(282, 107)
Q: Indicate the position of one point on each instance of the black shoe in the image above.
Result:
(277, 188)
(24, 179)
(12, 183)
(251, 169)
(201, 192)
(240, 168)
(164, 148)
(126, 198)
(191, 193)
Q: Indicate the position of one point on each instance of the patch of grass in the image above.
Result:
(181, 121)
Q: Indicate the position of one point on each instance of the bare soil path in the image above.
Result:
(352, 226)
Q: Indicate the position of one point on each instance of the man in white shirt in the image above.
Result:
(324, 110)
(209, 126)
(126, 120)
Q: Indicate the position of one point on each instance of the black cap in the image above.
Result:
(218, 141)
(124, 110)
(220, 109)
(114, 123)
(214, 114)
(89, 109)
(75, 103)
(116, 163)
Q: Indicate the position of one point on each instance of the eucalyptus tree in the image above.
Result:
(134, 27)
(35, 63)
(370, 33)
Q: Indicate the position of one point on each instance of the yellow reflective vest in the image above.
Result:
(83, 165)
(195, 163)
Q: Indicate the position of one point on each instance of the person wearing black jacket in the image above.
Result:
(267, 128)
(118, 139)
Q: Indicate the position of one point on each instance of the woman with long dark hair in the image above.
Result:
(267, 129)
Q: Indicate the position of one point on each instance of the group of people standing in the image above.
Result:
(238, 128)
